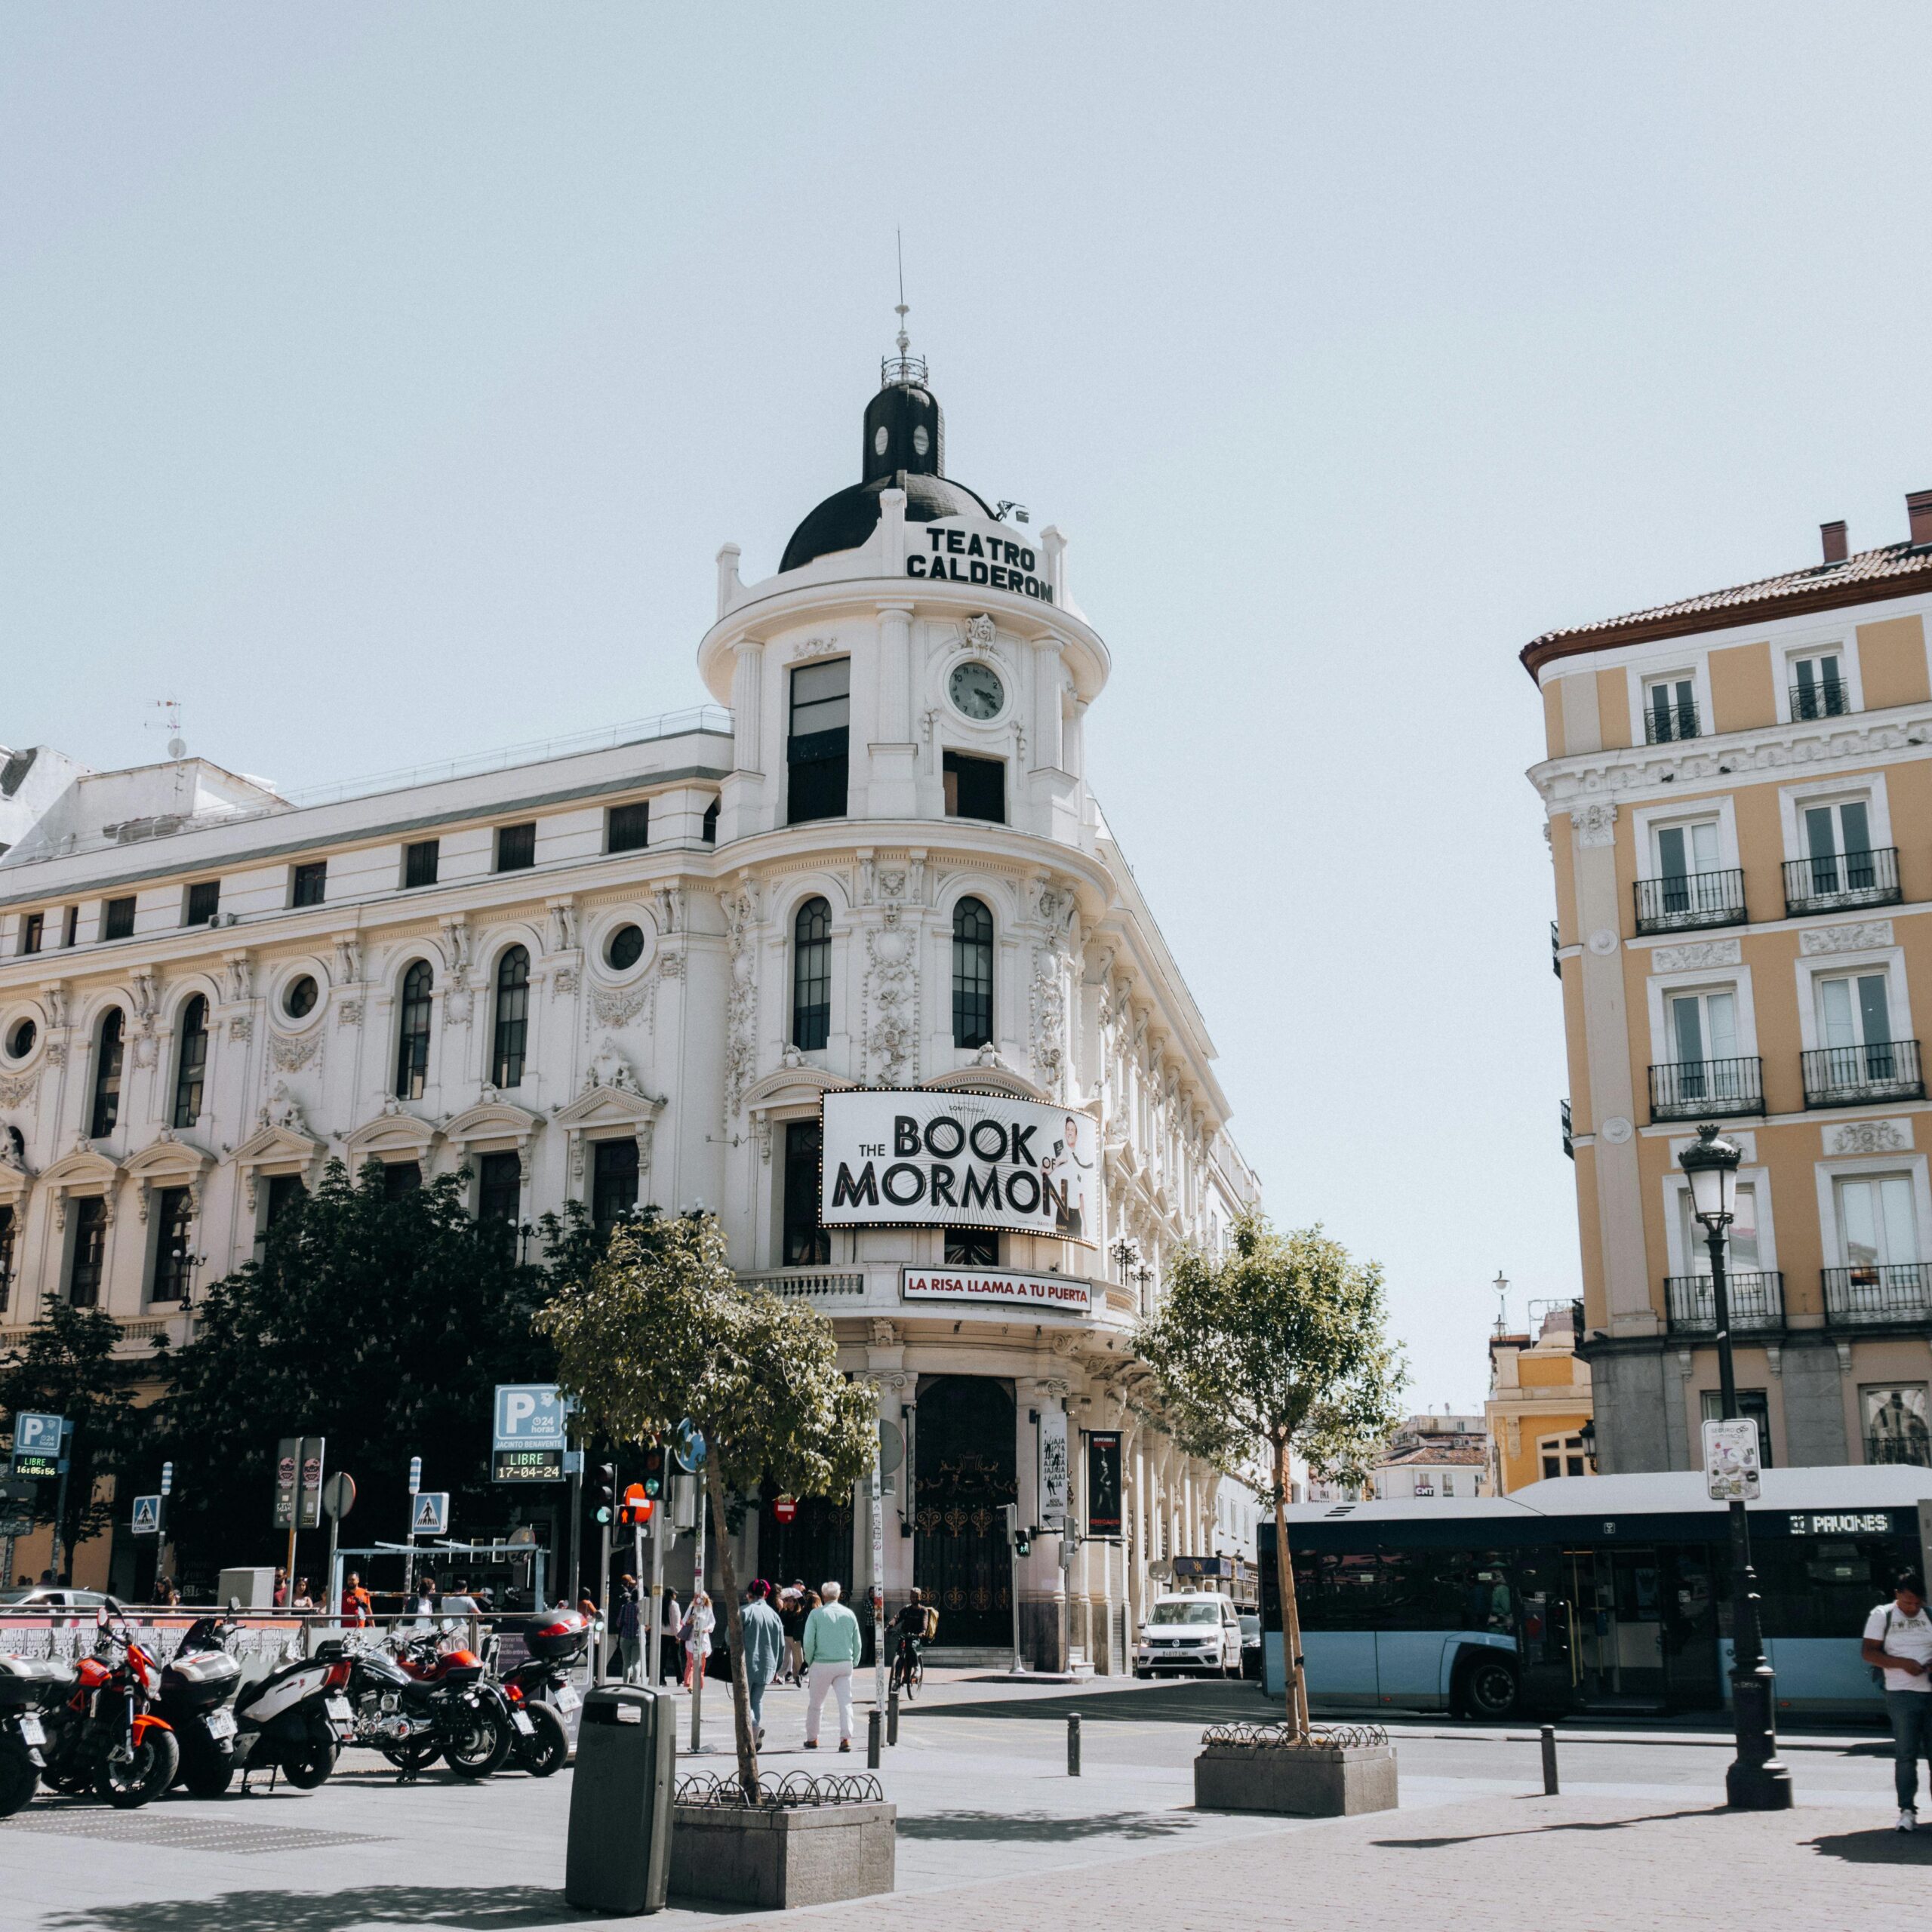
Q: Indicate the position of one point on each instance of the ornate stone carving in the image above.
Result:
(1595, 823)
(146, 996)
(618, 1006)
(1047, 999)
(884, 1335)
(815, 647)
(563, 925)
(242, 1027)
(741, 1015)
(1602, 942)
(57, 1053)
(672, 965)
(670, 908)
(348, 958)
(349, 1013)
(459, 1005)
(17, 1091)
(889, 1044)
(54, 998)
(1617, 1130)
(145, 1055)
(455, 944)
(609, 1068)
(292, 1054)
(1868, 1136)
(562, 981)
(1860, 938)
(1695, 955)
(279, 1110)
(979, 631)
(238, 978)
(892, 882)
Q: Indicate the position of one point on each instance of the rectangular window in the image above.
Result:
(516, 847)
(419, 863)
(807, 1245)
(73, 930)
(500, 1188)
(1670, 710)
(1878, 1224)
(627, 827)
(1702, 1034)
(32, 926)
(1741, 1247)
(171, 1252)
(711, 823)
(1854, 1011)
(613, 1183)
(6, 1257)
(975, 788)
(117, 919)
(817, 749)
(1752, 1406)
(286, 1194)
(972, 1247)
(1684, 849)
(400, 1178)
(203, 902)
(90, 1251)
(311, 884)
(1894, 1415)
(1817, 686)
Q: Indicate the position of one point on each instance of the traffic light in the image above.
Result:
(1017, 1534)
(634, 1511)
(1022, 1543)
(653, 1468)
(605, 1492)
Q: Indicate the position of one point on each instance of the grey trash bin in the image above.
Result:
(619, 1854)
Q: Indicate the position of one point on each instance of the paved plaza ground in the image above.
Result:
(993, 1834)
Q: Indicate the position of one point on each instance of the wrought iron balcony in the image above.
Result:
(1851, 1076)
(1569, 1133)
(1707, 1089)
(1916, 1453)
(1664, 724)
(1755, 1299)
(1555, 951)
(1688, 900)
(1839, 880)
(1899, 1291)
(1828, 700)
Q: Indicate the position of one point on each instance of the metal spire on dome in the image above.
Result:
(903, 369)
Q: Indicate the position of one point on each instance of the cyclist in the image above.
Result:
(915, 1625)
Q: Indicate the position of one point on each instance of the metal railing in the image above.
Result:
(1849, 1076)
(815, 1284)
(1664, 724)
(1834, 881)
(1684, 901)
(1707, 1089)
(1755, 1298)
(1872, 1291)
(1555, 951)
(1569, 1132)
(1895, 1449)
(1828, 700)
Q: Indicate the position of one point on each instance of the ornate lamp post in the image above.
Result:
(1755, 1780)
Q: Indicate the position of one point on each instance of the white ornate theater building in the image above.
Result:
(628, 969)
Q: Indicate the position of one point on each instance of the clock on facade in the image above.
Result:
(976, 689)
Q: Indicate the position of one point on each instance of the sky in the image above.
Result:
(380, 382)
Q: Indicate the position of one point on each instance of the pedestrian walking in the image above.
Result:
(624, 1626)
(670, 1640)
(833, 1645)
(764, 1651)
(358, 1612)
(791, 1615)
(699, 1622)
(1898, 1646)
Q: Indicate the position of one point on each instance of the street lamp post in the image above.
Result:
(1755, 1780)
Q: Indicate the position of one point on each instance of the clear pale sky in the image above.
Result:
(380, 381)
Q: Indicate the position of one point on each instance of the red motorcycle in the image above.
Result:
(105, 1737)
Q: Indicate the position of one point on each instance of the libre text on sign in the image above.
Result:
(528, 1439)
(1061, 1292)
(958, 1160)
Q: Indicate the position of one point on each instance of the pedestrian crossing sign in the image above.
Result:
(147, 1515)
(429, 1514)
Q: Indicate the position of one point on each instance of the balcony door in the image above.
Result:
(1855, 1029)
(1838, 843)
(1687, 856)
(1740, 1248)
(1704, 1035)
(1878, 1224)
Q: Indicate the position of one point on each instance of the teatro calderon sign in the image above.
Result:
(922, 1160)
(967, 556)
(1060, 1292)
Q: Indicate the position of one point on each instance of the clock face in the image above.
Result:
(978, 691)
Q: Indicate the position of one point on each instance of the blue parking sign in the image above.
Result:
(37, 1444)
(529, 1415)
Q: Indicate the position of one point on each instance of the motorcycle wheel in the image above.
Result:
(206, 1771)
(146, 1775)
(19, 1774)
(543, 1755)
(307, 1768)
(415, 1754)
(477, 1751)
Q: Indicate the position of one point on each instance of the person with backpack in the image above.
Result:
(1898, 1646)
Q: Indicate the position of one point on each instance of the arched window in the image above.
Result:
(191, 1063)
(107, 1076)
(512, 1018)
(972, 974)
(412, 1045)
(811, 975)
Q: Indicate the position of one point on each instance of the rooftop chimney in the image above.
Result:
(1918, 508)
(1834, 543)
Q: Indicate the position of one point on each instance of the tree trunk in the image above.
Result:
(741, 1695)
(1295, 1685)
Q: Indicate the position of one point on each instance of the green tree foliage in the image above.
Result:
(658, 1330)
(1279, 1345)
(381, 1324)
(67, 1367)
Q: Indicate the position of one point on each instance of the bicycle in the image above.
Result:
(909, 1668)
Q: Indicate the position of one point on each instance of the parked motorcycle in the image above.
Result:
(105, 1735)
(540, 1687)
(423, 1703)
(294, 1721)
(28, 1687)
(197, 1688)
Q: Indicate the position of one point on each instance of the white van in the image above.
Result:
(1195, 1630)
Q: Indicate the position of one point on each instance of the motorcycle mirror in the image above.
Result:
(235, 1603)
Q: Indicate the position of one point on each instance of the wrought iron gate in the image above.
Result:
(964, 1445)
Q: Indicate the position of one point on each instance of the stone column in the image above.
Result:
(894, 754)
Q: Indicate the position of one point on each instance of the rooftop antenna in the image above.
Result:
(899, 244)
(905, 367)
(1502, 1287)
(170, 722)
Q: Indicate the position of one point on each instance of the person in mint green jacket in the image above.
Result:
(833, 1645)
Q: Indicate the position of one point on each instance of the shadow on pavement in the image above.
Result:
(1558, 1825)
(1045, 1828)
(1185, 1702)
(1875, 1848)
(472, 1908)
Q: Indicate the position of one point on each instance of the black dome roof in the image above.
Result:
(904, 448)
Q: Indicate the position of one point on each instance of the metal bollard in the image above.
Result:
(1549, 1761)
(1073, 1744)
(874, 1724)
(892, 1716)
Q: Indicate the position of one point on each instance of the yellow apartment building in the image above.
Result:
(1538, 1411)
(1739, 797)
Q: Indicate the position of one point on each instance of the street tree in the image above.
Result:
(658, 1330)
(1277, 1345)
(67, 1366)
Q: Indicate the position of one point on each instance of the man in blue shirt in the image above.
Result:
(764, 1651)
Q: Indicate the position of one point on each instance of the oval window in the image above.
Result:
(879, 439)
(921, 442)
(299, 1000)
(626, 948)
(19, 1041)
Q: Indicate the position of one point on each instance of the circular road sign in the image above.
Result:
(785, 1507)
(891, 1447)
(338, 1497)
(687, 1446)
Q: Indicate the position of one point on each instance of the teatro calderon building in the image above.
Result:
(850, 957)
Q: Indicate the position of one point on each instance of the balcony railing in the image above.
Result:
(1688, 900)
(1555, 951)
(817, 1283)
(1899, 1291)
(1916, 1453)
(1829, 699)
(1849, 1076)
(1707, 1089)
(1835, 881)
(1755, 1299)
(1569, 1133)
(1664, 724)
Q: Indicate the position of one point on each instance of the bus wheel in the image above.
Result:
(1489, 1687)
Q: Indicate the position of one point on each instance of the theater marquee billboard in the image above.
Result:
(920, 1160)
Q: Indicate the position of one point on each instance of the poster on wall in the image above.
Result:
(1103, 1482)
(926, 1160)
(1053, 1470)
